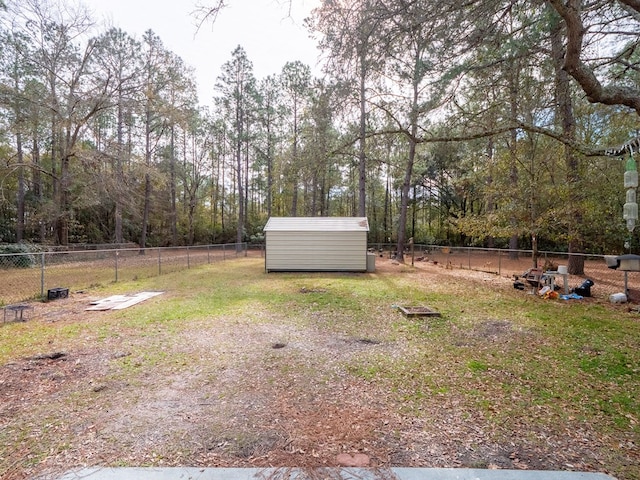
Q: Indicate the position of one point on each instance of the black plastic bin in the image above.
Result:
(584, 290)
(55, 293)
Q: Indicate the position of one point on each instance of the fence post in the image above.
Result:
(246, 250)
(117, 254)
(208, 254)
(42, 275)
(469, 256)
(224, 252)
(188, 262)
(159, 262)
(499, 262)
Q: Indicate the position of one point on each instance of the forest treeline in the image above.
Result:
(487, 122)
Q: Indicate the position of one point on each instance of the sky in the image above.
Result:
(263, 28)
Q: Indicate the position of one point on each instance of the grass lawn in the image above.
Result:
(235, 367)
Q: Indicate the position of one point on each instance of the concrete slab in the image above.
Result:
(190, 473)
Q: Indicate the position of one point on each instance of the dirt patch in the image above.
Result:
(239, 392)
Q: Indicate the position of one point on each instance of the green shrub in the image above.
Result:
(18, 255)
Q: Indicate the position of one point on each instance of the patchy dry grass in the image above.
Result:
(236, 367)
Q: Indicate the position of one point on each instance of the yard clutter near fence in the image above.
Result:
(515, 264)
(18, 312)
(27, 276)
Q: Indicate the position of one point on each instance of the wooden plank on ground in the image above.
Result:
(119, 302)
(112, 298)
(140, 297)
(107, 303)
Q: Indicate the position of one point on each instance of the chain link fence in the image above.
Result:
(509, 263)
(25, 276)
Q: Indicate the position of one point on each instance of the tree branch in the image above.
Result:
(631, 147)
(634, 4)
(596, 92)
(207, 13)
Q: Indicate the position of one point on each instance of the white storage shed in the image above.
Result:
(329, 244)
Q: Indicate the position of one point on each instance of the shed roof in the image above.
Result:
(317, 224)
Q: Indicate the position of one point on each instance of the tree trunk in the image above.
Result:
(269, 170)
(490, 239)
(191, 217)
(294, 164)
(362, 160)
(513, 158)
(119, 172)
(314, 193)
(387, 223)
(406, 184)
(38, 184)
(564, 104)
(147, 182)
(55, 176)
(63, 202)
(21, 192)
(404, 202)
(238, 154)
(145, 212)
(173, 214)
(245, 225)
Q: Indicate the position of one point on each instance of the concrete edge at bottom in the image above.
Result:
(398, 473)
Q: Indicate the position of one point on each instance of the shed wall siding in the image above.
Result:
(316, 251)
